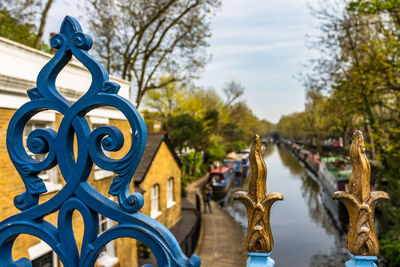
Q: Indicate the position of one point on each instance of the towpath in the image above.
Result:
(221, 241)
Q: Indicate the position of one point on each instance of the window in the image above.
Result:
(105, 224)
(170, 192)
(44, 261)
(98, 172)
(154, 201)
(41, 255)
(50, 176)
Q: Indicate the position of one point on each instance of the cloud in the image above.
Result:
(253, 47)
(261, 43)
(257, 42)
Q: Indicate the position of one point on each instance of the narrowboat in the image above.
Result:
(335, 173)
(234, 163)
(242, 159)
(311, 160)
(221, 180)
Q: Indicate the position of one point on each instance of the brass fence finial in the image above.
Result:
(258, 203)
(361, 202)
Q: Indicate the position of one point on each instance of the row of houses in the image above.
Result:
(158, 175)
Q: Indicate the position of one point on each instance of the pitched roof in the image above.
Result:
(154, 141)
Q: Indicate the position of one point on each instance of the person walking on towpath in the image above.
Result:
(207, 197)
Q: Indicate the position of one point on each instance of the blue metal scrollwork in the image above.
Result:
(78, 194)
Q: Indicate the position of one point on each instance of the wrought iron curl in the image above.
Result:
(78, 194)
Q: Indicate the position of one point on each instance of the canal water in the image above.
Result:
(304, 230)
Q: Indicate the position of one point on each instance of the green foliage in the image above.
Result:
(314, 124)
(211, 120)
(168, 101)
(184, 130)
(213, 153)
(235, 146)
(188, 164)
(184, 182)
(188, 161)
(389, 228)
(355, 84)
(243, 124)
(374, 6)
(11, 29)
(199, 119)
(391, 250)
(24, 33)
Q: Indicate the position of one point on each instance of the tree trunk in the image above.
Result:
(138, 100)
(318, 144)
(371, 140)
(373, 131)
(42, 24)
(345, 140)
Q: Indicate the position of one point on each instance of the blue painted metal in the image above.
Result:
(78, 194)
(260, 260)
(361, 261)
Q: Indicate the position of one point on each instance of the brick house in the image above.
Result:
(158, 177)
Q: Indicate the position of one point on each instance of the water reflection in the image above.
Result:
(269, 150)
(291, 162)
(304, 232)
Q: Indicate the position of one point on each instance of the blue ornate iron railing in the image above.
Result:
(78, 194)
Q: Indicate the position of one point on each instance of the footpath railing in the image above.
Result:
(79, 195)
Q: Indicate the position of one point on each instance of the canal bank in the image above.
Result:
(305, 233)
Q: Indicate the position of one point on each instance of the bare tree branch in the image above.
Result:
(153, 37)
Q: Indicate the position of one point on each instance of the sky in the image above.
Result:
(259, 43)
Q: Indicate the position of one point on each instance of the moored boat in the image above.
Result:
(335, 173)
(221, 180)
(243, 159)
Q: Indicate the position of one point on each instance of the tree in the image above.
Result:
(141, 40)
(184, 130)
(167, 101)
(22, 11)
(42, 24)
(178, 98)
(232, 90)
(199, 100)
(11, 29)
(351, 65)
(269, 126)
(292, 126)
(243, 124)
(358, 73)
(318, 119)
(213, 153)
(27, 13)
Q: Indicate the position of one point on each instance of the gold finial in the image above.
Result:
(258, 203)
(361, 202)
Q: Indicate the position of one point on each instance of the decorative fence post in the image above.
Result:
(78, 194)
(258, 203)
(362, 242)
